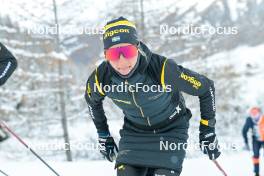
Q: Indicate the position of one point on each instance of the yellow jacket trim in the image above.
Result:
(204, 122)
(162, 76)
(121, 167)
(97, 83)
(89, 90)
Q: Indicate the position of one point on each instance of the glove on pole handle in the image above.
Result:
(219, 167)
(3, 125)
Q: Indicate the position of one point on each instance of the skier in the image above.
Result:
(255, 122)
(152, 118)
(8, 64)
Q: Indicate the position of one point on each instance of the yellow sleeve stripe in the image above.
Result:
(121, 167)
(97, 83)
(118, 23)
(162, 76)
(89, 90)
(204, 122)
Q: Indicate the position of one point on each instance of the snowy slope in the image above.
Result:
(238, 164)
(245, 61)
(26, 12)
(90, 10)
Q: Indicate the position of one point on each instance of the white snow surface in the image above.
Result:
(238, 164)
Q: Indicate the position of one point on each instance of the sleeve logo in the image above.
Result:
(196, 84)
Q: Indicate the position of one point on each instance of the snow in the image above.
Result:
(238, 164)
(81, 11)
(235, 6)
(7, 29)
(246, 61)
(90, 10)
(57, 55)
(182, 5)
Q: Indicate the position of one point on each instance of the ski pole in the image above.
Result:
(2, 172)
(3, 124)
(219, 167)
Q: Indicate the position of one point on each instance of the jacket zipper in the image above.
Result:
(139, 107)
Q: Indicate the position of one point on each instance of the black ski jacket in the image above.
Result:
(147, 108)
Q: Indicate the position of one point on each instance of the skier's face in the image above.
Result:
(125, 62)
(255, 113)
(256, 116)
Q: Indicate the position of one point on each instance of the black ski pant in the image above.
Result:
(257, 145)
(129, 170)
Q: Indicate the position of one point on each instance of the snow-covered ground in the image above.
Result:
(238, 164)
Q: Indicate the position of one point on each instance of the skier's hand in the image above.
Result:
(108, 148)
(209, 145)
(246, 147)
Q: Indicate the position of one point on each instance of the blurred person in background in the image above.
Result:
(255, 123)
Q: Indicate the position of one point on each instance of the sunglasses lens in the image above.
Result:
(128, 52)
(112, 54)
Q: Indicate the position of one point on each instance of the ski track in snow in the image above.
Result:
(235, 165)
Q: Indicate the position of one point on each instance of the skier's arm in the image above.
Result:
(246, 127)
(94, 98)
(8, 64)
(185, 80)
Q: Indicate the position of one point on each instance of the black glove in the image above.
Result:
(108, 148)
(246, 147)
(209, 145)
